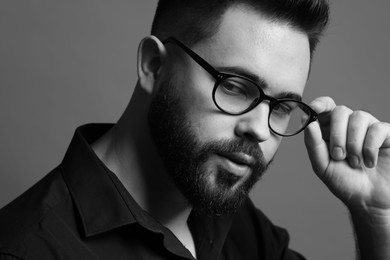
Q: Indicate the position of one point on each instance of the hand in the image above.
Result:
(350, 152)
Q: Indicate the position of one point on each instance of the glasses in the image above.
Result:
(236, 95)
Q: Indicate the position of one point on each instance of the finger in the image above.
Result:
(317, 149)
(338, 132)
(359, 122)
(323, 105)
(378, 136)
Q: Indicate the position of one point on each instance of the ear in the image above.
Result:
(151, 56)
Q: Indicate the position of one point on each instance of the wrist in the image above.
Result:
(370, 215)
(372, 228)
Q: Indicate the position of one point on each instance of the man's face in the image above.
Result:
(215, 158)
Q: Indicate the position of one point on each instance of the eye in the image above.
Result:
(284, 108)
(234, 88)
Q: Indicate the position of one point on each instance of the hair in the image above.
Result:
(194, 20)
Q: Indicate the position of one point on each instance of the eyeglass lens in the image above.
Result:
(235, 95)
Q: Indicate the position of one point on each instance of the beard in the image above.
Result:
(187, 160)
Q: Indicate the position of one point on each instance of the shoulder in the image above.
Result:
(26, 222)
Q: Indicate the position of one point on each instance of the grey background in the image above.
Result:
(66, 63)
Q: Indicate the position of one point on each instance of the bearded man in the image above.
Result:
(220, 84)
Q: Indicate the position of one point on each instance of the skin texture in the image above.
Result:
(351, 155)
(280, 56)
(212, 183)
(261, 50)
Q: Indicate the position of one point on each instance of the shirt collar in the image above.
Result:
(100, 205)
(104, 204)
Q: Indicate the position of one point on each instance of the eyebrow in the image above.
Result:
(259, 81)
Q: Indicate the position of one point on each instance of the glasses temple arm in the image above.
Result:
(194, 56)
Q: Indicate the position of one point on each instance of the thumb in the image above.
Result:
(317, 149)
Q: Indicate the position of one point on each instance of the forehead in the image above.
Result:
(274, 51)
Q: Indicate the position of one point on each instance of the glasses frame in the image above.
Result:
(220, 76)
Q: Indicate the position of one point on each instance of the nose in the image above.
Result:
(254, 124)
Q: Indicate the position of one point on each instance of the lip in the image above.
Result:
(240, 158)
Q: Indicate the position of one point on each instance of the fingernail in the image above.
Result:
(370, 164)
(355, 161)
(338, 153)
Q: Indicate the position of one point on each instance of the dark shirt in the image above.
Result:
(81, 210)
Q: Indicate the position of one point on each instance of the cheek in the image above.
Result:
(204, 117)
(194, 87)
(212, 127)
(270, 147)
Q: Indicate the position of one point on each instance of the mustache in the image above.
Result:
(237, 146)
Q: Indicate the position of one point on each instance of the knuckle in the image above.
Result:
(343, 109)
(377, 127)
(353, 146)
(380, 124)
(369, 150)
(359, 114)
(337, 134)
(337, 139)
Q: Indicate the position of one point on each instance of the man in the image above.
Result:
(220, 84)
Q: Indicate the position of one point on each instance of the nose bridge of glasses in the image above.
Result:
(220, 77)
(262, 97)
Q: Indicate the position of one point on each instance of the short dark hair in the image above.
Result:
(194, 20)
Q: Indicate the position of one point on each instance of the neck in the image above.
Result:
(130, 153)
